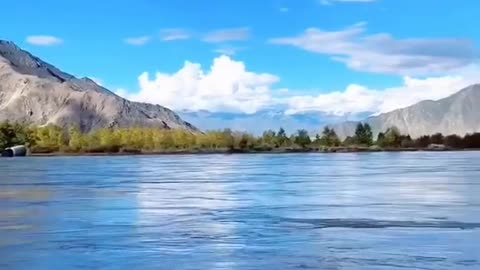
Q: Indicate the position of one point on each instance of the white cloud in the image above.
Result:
(138, 41)
(174, 34)
(381, 53)
(44, 40)
(224, 35)
(357, 98)
(228, 50)
(229, 87)
(226, 87)
(123, 93)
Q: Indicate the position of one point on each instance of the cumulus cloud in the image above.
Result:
(173, 34)
(224, 35)
(359, 99)
(226, 87)
(44, 40)
(382, 53)
(137, 41)
(229, 87)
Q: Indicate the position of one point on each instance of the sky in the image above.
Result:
(295, 56)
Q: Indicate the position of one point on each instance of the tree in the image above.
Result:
(270, 138)
(282, 138)
(318, 140)
(164, 140)
(329, 137)
(422, 142)
(302, 138)
(246, 142)
(363, 134)
(50, 138)
(437, 138)
(380, 139)
(76, 140)
(454, 141)
(7, 135)
(228, 140)
(406, 141)
(368, 135)
(392, 138)
(472, 141)
(348, 141)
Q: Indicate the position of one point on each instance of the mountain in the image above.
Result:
(263, 120)
(457, 114)
(33, 91)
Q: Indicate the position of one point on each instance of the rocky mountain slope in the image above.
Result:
(33, 91)
(457, 114)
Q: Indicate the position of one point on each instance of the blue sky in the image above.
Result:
(316, 52)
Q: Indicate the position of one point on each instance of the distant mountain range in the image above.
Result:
(457, 114)
(33, 91)
(263, 120)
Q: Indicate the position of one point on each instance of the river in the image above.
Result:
(418, 210)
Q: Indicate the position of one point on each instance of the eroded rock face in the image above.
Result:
(33, 91)
(457, 114)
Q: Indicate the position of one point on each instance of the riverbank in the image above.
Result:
(239, 151)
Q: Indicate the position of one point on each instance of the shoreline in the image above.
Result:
(246, 152)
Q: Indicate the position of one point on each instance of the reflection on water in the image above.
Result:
(318, 211)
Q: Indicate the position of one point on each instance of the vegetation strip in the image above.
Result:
(52, 139)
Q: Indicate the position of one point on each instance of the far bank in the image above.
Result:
(239, 151)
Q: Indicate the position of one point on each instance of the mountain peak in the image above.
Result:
(24, 62)
(35, 92)
(7, 43)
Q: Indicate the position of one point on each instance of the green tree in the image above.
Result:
(270, 138)
(228, 139)
(380, 139)
(7, 135)
(349, 140)
(363, 134)
(318, 140)
(282, 138)
(391, 138)
(246, 142)
(302, 138)
(329, 137)
(76, 140)
(50, 138)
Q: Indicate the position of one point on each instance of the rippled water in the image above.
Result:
(298, 211)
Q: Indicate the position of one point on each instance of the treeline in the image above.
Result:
(392, 138)
(53, 139)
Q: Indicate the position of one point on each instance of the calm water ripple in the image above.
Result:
(293, 211)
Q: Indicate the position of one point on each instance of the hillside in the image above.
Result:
(457, 114)
(33, 91)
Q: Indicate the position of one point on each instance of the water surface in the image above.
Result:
(289, 211)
